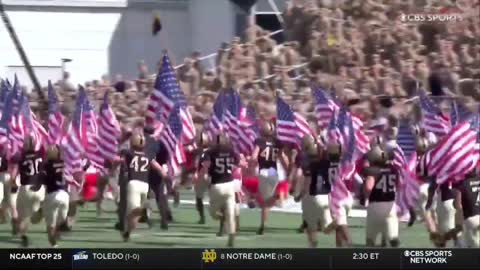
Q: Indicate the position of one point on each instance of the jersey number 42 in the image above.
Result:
(139, 164)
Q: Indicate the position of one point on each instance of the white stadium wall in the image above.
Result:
(110, 36)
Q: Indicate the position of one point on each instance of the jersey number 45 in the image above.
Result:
(387, 183)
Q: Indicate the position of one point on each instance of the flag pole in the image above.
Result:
(21, 51)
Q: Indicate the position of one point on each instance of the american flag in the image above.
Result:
(26, 124)
(340, 194)
(290, 126)
(456, 154)
(55, 118)
(214, 126)
(405, 159)
(74, 140)
(165, 96)
(171, 138)
(92, 149)
(235, 124)
(433, 119)
(5, 122)
(108, 131)
(325, 107)
(458, 113)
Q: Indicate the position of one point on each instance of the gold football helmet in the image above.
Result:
(334, 148)
(223, 139)
(28, 144)
(203, 139)
(377, 155)
(267, 128)
(310, 146)
(53, 152)
(137, 140)
(421, 144)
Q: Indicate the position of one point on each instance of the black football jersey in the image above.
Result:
(323, 173)
(385, 186)
(302, 161)
(223, 160)
(269, 151)
(53, 178)
(470, 190)
(3, 163)
(138, 165)
(31, 167)
(161, 156)
(446, 192)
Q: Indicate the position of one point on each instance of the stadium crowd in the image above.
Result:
(359, 48)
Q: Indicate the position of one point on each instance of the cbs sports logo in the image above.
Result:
(442, 15)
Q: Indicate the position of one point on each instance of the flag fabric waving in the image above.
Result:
(171, 138)
(458, 113)
(433, 119)
(340, 195)
(165, 96)
(456, 154)
(92, 149)
(325, 107)
(235, 124)
(108, 131)
(55, 118)
(74, 140)
(290, 127)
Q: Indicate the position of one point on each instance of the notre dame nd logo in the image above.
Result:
(209, 255)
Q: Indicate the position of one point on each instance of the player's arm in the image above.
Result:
(205, 166)
(13, 171)
(162, 170)
(284, 159)
(303, 182)
(369, 185)
(254, 156)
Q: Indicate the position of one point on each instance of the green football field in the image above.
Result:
(93, 232)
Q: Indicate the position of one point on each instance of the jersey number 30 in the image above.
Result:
(32, 166)
(386, 183)
(223, 165)
(139, 164)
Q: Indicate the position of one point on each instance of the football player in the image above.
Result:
(380, 189)
(469, 193)
(200, 184)
(267, 152)
(28, 164)
(57, 198)
(219, 163)
(138, 165)
(422, 145)
(315, 195)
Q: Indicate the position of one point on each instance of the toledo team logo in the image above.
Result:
(81, 255)
(209, 255)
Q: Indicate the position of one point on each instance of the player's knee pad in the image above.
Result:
(395, 242)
